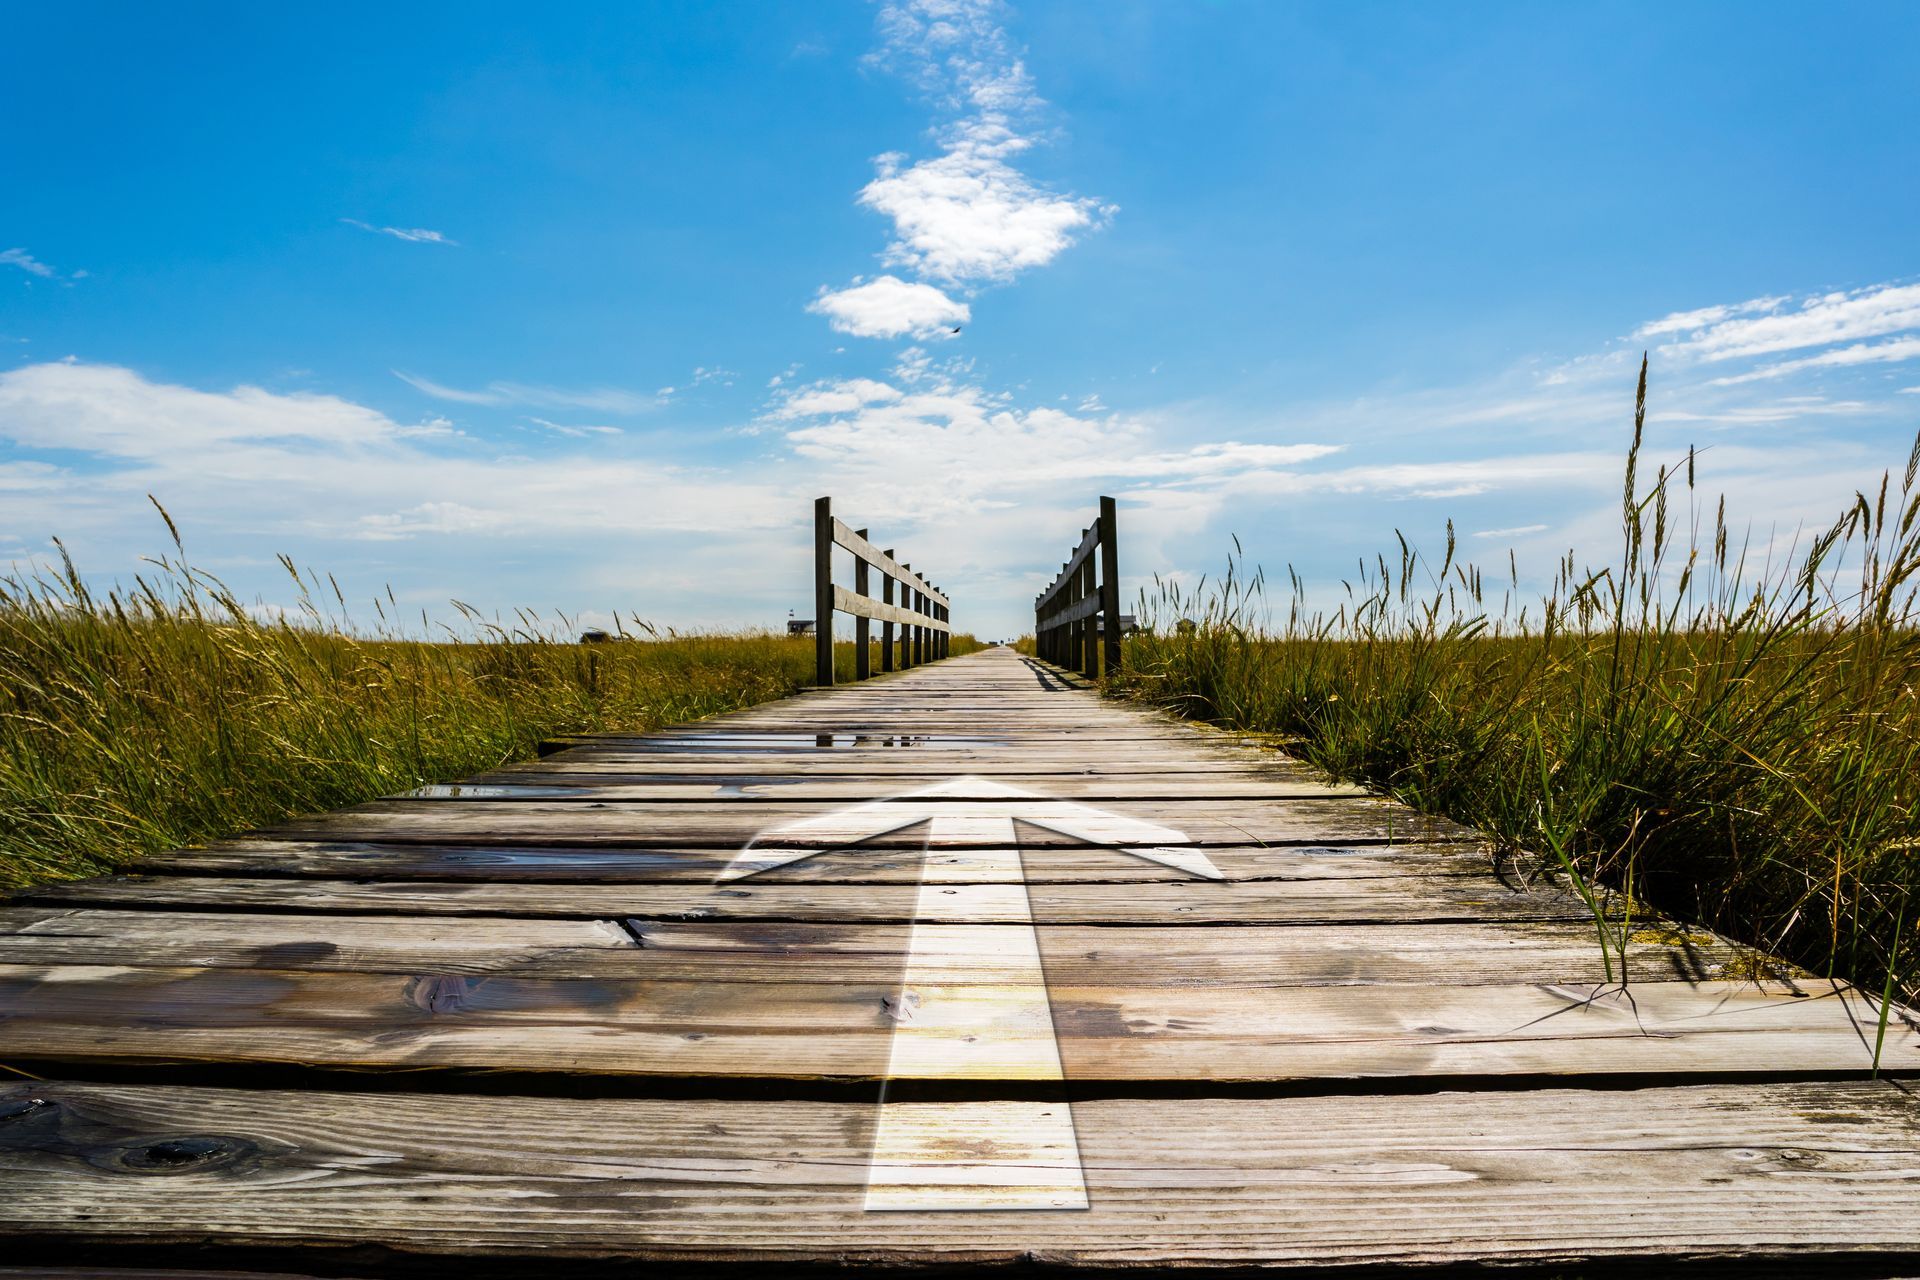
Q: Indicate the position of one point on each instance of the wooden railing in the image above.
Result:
(1088, 587)
(921, 615)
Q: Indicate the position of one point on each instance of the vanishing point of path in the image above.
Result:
(960, 966)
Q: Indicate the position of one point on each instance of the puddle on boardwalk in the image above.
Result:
(722, 788)
(730, 742)
(491, 791)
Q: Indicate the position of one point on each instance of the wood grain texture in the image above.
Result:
(808, 1029)
(667, 949)
(515, 821)
(1670, 1174)
(1382, 997)
(892, 863)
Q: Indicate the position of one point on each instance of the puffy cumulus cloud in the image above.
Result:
(888, 307)
(968, 216)
(835, 396)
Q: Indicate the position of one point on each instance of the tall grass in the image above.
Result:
(1729, 733)
(169, 712)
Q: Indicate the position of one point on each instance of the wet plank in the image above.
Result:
(560, 921)
(849, 953)
(568, 784)
(621, 821)
(1652, 1175)
(1056, 863)
(808, 1030)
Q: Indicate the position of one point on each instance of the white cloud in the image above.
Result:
(1729, 333)
(416, 235)
(888, 307)
(602, 399)
(110, 410)
(322, 465)
(969, 216)
(955, 448)
(1681, 321)
(1860, 353)
(844, 395)
(1519, 530)
(565, 429)
(965, 217)
(26, 262)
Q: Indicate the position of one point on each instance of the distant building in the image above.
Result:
(1128, 625)
(594, 635)
(799, 626)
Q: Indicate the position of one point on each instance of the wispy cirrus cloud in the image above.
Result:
(1767, 326)
(414, 235)
(498, 394)
(1859, 353)
(26, 262)
(34, 267)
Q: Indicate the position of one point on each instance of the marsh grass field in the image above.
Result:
(166, 711)
(1725, 732)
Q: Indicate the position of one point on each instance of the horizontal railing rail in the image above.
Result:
(921, 614)
(1087, 588)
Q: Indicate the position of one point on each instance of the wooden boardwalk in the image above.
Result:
(553, 1019)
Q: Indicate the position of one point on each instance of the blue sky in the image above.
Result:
(578, 310)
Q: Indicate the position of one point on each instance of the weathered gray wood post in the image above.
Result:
(906, 628)
(1089, 655)
(1076, 620)
(919, 631)
(823, 591)
(886, 628)
(862, 660)
(1110, 586)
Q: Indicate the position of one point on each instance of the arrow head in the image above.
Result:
(969, 810)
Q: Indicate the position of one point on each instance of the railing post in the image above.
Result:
(906, 628)
(886, 628)
(1089, 654)
(1110, 587)
(1077, 635)
(862, 660)
(919, 632)
(823, 591)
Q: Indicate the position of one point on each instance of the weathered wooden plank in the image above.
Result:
(1816, 1172)
(665, 950)
(864, 864)
(817, 1030)
(846, 536)
(906, 763)
(566, 784)
(860, 606)
(367, 943)
(1355, 819)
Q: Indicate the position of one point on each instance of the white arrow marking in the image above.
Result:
(974, 1155)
